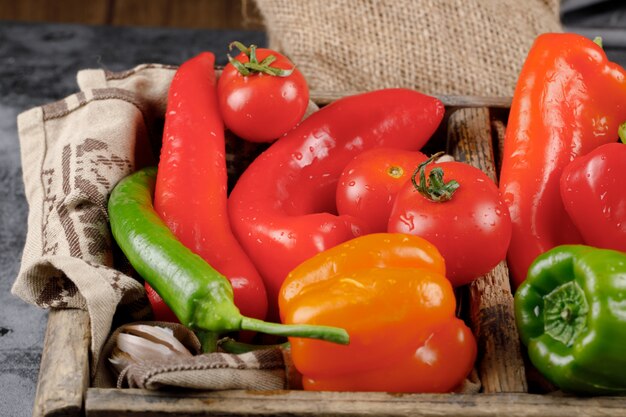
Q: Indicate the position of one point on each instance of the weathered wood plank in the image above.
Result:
(64, 371)
(92, 12)
(130, 402)
(202, 14)
(500, 363)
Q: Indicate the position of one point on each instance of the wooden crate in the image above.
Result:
(472, 131)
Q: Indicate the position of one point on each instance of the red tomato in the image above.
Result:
(472, 230)
(260, 107)
(368, 185)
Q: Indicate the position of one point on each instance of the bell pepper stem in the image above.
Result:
(330, 334)
(565, 313)
(598, 41)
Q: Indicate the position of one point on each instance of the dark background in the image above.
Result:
(42, 46)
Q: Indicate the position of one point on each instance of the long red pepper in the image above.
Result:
(569, 99)
(191, 185)
(283, 207)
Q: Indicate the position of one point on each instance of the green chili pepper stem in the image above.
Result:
(435, 189)
(208, 340)
(330, 334)
(232, 346)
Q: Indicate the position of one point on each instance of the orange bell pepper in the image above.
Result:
(390, 293)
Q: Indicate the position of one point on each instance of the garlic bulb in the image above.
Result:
(141, 343)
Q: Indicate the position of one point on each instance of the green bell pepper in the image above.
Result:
(571, 315)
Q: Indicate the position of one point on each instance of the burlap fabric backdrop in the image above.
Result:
(466, 47)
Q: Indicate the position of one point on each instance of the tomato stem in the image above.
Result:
(253, 65)
(435, 188)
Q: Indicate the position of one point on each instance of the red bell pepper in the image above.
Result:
(190, 193)
(283, 208)
(593, 188)
(569, 100)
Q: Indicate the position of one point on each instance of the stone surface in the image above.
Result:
(38, 64)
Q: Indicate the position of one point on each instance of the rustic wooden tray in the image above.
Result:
(472, 131)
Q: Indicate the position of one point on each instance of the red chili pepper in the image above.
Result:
(593, 188)
(568, 101)
(160, 310)
(191, 182)
(283, 206)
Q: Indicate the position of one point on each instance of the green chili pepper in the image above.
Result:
(201, 297)
(571, 314)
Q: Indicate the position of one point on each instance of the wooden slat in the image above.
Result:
(203, 14)
(91, 12)
(500, 364)
(64, 371)
(131, 402)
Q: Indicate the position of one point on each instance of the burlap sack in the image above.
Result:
(466, 47)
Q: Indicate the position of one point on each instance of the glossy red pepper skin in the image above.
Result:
(569, 100)
(283, 208)
(191, 182)
(160, 310)
(593, 188)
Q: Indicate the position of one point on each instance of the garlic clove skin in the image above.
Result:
(144, 343)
